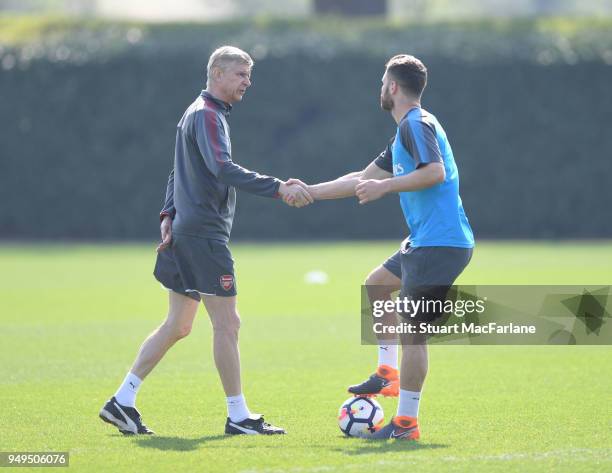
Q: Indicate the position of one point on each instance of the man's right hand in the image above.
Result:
(294, 194)
(293, 181)
(166, 233)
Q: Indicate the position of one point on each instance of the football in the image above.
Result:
(360, 417)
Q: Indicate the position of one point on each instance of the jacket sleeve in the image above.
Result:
(169, 203)
(214, 144)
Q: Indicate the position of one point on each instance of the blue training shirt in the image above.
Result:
(434, 215)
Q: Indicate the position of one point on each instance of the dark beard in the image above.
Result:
(386, 103)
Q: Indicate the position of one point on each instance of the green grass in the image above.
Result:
(72, 318)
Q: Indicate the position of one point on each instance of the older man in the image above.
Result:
(194, 262)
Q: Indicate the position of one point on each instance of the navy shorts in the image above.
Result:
(394, 264)
(428, 272)
(192, 266)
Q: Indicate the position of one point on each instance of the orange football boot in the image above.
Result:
(384, 382)
(400, 428)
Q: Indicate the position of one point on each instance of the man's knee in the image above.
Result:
(180, 316)
(373, 278)
(226, 323)
(182, 331)
(223, 314)
(381, 283)
(177, 331)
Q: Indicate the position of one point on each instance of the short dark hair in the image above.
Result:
(409, 72)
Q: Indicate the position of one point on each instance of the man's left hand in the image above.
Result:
(369, 190)
(166, 233)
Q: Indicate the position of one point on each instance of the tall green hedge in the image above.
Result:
(87, 143)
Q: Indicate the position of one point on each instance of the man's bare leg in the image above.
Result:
(404, 424)
(225, 321)
(380, 284)
(226, 324)
(181, 313)
(412, 377)
(414, 363)
(120, 410)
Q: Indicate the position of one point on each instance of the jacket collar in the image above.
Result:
(220, 104)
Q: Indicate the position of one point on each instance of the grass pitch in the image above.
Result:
(73, 317)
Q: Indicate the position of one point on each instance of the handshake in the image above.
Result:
(295, 193)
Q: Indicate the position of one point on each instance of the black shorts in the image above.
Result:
(428, 272)
(192, 266)
(394, 264)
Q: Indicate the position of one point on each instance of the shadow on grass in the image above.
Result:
(182, 444)
(365, 447)
(352, 447)
(177, 444)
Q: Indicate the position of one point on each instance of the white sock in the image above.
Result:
(387, 355)
(408, 403)
(237, 409)
(126, 394)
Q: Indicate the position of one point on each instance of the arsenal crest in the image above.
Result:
(227, 281)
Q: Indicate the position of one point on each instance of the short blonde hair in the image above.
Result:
(224, 55)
